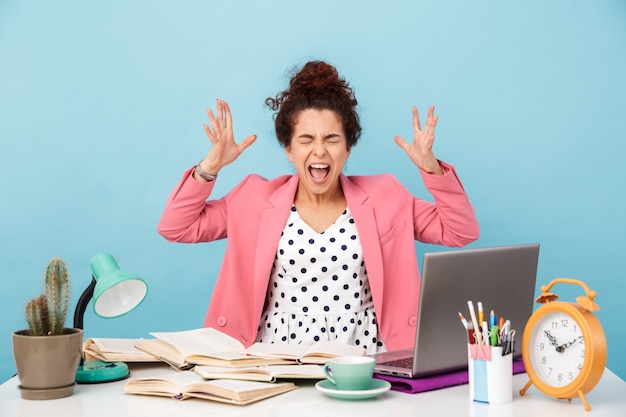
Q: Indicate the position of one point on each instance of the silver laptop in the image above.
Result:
(501, 278)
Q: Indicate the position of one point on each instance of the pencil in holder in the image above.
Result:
(490, 374)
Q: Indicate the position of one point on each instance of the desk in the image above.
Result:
(107, 400)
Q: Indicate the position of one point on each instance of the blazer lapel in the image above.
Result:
(368, 234)
(272, 223)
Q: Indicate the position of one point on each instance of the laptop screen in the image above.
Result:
(501, 278)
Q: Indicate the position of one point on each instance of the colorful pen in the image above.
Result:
(470, 305)
(481, 313)
(504, 330)
(463, 320)
(470, 334)
(494, 335)
(485, 330)
(470, 329)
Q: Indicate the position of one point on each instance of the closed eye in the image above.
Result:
(333, 138)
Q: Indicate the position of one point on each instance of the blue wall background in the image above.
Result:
(102, 106)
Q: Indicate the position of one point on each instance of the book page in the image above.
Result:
(200, 341)
(227, 387)
(181, 385)
(116, 349)
(170, 383)
(163, 351)
(329, 349)
(262, 373)
(276, 350)
(296, 371)
(251, 373)
(114, 345)
(237, 392)
(318, 352)
(208, 372)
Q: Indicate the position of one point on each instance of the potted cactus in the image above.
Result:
(47, 354)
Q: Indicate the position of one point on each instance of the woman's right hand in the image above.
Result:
(220, 133)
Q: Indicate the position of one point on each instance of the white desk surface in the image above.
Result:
(608, 398)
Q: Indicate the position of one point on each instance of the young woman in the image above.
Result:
(318, 255)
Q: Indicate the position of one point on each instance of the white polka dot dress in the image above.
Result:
(318, 288)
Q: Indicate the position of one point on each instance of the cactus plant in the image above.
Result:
(46, 313)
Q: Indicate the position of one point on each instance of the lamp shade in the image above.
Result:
(116, 292)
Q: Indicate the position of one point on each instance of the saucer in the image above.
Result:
(377, 387)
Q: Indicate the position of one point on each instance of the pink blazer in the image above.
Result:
(252, 216)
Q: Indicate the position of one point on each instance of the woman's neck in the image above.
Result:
(320, 211)
(332, 198)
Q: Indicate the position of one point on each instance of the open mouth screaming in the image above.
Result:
(319, 172)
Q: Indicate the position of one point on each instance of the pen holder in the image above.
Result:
(490, 374)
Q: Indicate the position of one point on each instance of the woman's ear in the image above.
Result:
(288, 153)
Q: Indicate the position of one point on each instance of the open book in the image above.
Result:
(188, 384)
(317, 353)
(114, 350)
(210, 347)
(267, 373)
(204, 346)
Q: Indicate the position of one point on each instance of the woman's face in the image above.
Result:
(318, 151)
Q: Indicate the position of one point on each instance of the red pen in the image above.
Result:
(470, 329)
(470, 334)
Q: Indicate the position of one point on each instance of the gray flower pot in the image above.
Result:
(46, 365)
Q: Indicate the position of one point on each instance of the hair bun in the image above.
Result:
(316, 75)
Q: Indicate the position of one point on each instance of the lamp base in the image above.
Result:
(96, 372)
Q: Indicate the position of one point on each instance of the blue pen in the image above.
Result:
(492, 319)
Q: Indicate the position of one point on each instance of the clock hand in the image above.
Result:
(568, 344)
(552, 340)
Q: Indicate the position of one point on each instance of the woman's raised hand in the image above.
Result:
(421, 150)
(220, 133)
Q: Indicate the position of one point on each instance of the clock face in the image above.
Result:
(557, 349)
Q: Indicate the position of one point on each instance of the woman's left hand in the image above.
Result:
(421, 150)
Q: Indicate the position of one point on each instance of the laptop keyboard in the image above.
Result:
(400, 363)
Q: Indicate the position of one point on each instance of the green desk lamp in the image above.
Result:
(115, 293)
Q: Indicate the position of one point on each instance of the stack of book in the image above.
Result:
(216, 366)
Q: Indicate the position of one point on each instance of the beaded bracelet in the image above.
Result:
(204, 175)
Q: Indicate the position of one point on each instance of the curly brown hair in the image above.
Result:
(316, 86)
